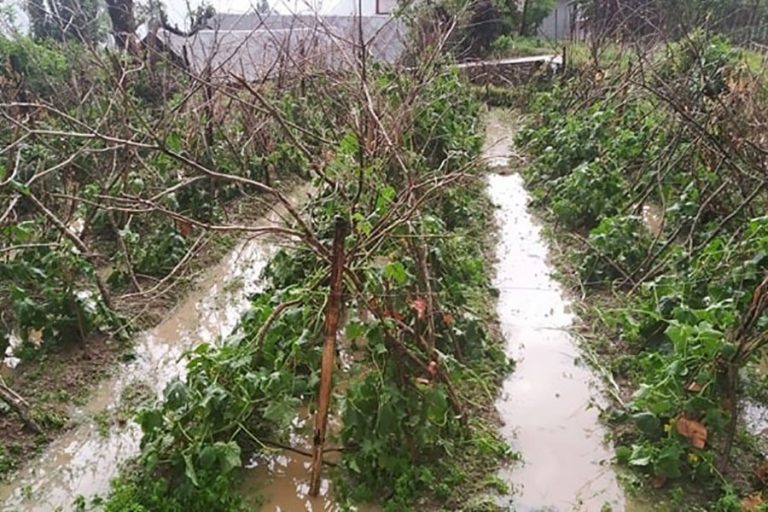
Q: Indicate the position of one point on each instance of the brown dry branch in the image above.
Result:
(19, 406)
(330, 328)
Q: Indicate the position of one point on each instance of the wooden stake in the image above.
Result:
(332, 313)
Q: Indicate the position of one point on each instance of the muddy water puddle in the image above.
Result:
(279, 482)
(83, 460)
(548, 405)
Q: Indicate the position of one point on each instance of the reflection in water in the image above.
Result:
(82, 461)
(280, 483)
(546, 404)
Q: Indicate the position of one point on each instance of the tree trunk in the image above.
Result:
(524, 18)
(123, 22)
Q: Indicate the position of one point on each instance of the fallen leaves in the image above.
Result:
(184, 227)
(420, 305)
(752, 503)
(431, 372)
(761, 472)
(392, 313)
(694, 387)
(692, 430)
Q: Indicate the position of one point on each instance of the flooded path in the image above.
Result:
(84, 460)
(546, 404)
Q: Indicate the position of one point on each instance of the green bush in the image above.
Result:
(39, 68)
(622, 241)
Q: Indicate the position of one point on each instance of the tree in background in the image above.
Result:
(742, 20)
(487, 21)
(532, 13)
(200, 16)
(65, 20)
(123, 21)
(263, 7)
(490, 19)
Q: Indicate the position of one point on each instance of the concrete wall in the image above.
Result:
(558, 24)
(506, 72)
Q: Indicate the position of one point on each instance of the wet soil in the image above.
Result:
(549, 406)
(61, 376)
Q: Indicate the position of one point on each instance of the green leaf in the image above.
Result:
(281, 412)
(150, 420)
(648, 423)
(349, 144)
(208, 457)
(21, 232)
(640, 461)
(396, 272)
(354, 330)
(20, 188)
(189, 469)
(230, 456)
(173, 142)
(362, 224)
(352, 464)
(387, 419)
(678, 333)
(623, 454)
(641, 455)
(386, 195)
(176, 394)
(668, 461)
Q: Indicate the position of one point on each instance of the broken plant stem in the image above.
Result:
(329, 351)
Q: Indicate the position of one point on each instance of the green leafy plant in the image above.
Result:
(673, 307)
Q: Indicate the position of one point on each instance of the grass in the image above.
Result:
(518, 46)
(7, 461)
(103, 421)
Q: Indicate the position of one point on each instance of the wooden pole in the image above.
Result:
(332, 313)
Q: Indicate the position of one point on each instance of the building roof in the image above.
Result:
(257, 46)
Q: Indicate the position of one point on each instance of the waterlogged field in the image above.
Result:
(366, 290)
